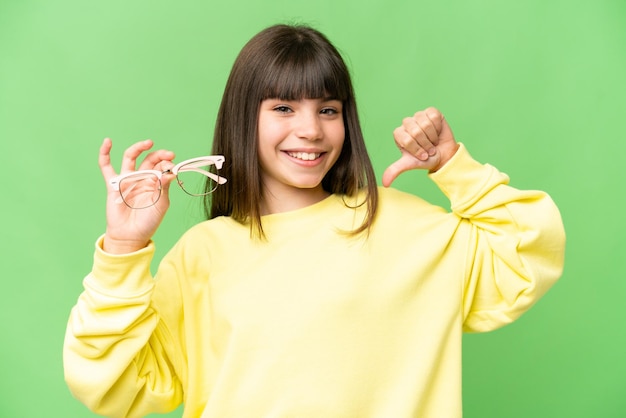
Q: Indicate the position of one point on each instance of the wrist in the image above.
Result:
(445, 154)
(116, 246)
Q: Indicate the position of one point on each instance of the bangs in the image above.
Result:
(302, 74)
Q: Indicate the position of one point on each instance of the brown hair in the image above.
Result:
(289, 63)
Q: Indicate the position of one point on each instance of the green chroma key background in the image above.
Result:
(533, 87)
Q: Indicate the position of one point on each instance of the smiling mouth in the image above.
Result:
(305, 156)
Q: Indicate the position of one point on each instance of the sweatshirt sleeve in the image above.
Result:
(117, 352)
(516, 241)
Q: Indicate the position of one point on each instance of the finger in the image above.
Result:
(104, 159)
(445, 132)
(158, 160)
(426, 131)
(436, 117)
(405, 163)
(129, 160)
(407, 142)
(165, 164)
(166, 182)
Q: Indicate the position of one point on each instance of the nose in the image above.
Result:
(309, 126)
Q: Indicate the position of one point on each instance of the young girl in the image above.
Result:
(309, 292)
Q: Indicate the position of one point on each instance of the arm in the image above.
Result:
(515, 238)
(516, 241)
(118, 354)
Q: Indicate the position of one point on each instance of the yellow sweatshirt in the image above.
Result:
(314, 323)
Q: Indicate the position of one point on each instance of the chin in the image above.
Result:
(308, 186)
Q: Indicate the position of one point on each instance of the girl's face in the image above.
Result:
(299, 141)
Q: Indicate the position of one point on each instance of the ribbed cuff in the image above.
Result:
(122, 274)
(464, 180)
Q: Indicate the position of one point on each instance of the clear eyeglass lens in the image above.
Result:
(140, 190)
(198, 179)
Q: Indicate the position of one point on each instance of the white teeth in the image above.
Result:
(306, 156)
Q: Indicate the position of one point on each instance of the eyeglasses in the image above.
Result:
(197, 177)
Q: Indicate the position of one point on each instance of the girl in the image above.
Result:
(309, 292)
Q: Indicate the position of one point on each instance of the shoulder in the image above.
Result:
(390, 199)
(203, 237)
(401, 210)
(215, 229)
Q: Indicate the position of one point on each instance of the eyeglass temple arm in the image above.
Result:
(214, 177)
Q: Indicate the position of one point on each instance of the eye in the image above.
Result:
(282, 109)
(330, 111)
(331, 107)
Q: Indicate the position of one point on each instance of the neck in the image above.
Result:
(291, 200)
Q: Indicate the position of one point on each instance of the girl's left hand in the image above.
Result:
(425, 141)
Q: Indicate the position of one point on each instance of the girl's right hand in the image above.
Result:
(129, 229)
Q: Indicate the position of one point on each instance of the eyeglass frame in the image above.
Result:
(217, 160)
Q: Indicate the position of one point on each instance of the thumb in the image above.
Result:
(168, 177)
(405, 163)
